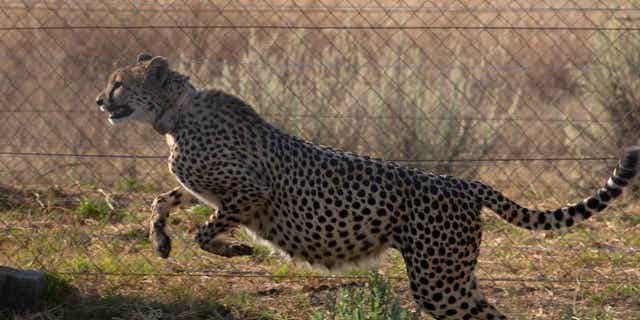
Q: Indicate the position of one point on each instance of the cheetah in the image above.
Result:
(325, 206)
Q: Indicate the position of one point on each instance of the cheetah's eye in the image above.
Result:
(117, 84)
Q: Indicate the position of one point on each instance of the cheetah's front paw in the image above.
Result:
(161, 241)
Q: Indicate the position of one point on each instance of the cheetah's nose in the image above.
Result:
(99, 101)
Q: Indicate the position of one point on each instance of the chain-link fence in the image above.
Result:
(536, 98)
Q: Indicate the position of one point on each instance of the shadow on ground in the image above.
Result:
(133, 308)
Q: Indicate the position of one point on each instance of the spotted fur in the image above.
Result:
(319, 204)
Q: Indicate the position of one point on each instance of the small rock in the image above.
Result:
(21, 290)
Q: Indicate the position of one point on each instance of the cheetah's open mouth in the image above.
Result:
(117, 112)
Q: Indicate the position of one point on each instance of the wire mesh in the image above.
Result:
(536, 98)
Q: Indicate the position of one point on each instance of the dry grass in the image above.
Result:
(598, 259)
(432, 94)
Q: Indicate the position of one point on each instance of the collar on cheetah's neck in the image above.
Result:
(167, 121)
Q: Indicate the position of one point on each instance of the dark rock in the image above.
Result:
(21, 290)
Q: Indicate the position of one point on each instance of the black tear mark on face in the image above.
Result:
(114, 87)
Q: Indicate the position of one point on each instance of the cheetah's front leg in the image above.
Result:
(160, 209)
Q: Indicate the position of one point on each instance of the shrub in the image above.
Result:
(614, 79)
(373, 302)
(98, 209)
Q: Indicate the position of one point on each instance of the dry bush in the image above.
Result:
(398, 94)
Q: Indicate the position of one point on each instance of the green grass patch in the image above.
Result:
(373, 302)
(281, 272)
(201, 210)
(93, 209)
(99, 210)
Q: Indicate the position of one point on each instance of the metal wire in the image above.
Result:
(246, 274)
(315, 27)
(159, 157)
(334, 8)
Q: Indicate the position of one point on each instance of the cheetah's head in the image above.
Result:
(142, 92)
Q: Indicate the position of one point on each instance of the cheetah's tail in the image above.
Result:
(567, 216)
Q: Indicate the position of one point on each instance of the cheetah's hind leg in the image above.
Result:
(466, 303)
(447, 288)
(224, 245)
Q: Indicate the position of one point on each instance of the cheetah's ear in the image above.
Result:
(157, 71)
(144, 56)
